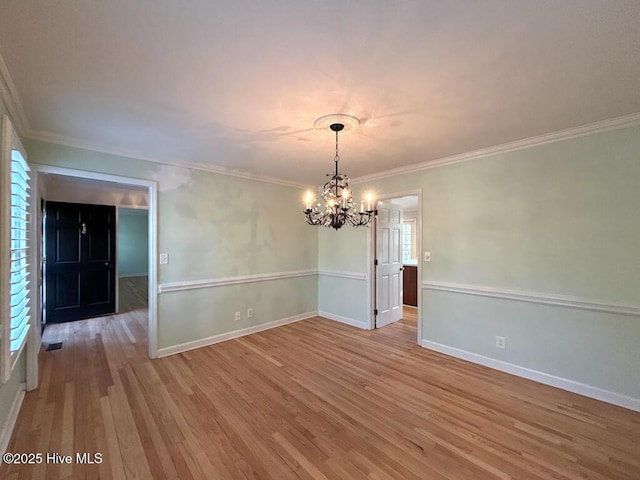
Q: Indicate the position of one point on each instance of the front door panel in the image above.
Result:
(80, 251)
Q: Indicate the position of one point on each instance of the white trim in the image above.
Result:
(221, 282)
(371, 274)
(5, 246)
(34, 339)
(589, 129)
(75, 143)
(537, 376)
(127, 275)
(104, 177)
(153, 269)
(12, 416)
(535, 297)
(347, 321)
(152, 188)
(223, 337)
(341, 274)
(11, 99)
(581, 131)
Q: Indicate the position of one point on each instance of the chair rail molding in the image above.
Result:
(535, 297)
(224, 281)
(342, 274)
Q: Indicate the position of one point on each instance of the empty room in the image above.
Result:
(320, 240)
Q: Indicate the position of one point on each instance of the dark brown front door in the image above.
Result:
(80, 249)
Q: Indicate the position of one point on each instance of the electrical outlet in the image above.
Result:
(238, 316)
(427, 256)
(501, 342)
(249, 312)
(164, 258)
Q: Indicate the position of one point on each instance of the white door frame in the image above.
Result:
(371, 252)
(36, 215)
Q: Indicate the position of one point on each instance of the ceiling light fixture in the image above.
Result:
(337, 197)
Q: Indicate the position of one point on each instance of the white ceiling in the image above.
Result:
(239, 84)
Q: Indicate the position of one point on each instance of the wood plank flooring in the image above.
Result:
(134, 292)
(311, 400)
(410, 317)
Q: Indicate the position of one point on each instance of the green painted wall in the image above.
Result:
(133, 242)
(341, 251)
(207, 312)
(557, 219)
(215, 226)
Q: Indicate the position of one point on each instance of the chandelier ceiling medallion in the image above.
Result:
(338, 208)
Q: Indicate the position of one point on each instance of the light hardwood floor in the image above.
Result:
(410, 316)
(313, 400)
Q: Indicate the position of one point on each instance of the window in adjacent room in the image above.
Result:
(408, 240)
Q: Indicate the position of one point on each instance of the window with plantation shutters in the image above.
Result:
(19, 270)
(15, 232)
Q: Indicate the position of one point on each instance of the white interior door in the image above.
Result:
(389, 267)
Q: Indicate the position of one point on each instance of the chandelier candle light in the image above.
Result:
(338, 200)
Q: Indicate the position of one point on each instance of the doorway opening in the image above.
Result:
(133, 200)
(395, 270)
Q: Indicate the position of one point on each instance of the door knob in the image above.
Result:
(401, 269)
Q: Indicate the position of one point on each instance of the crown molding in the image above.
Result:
(581, 131)
(11, 99)
(575, 132)
(74, 143)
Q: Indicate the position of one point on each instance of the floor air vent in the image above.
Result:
(54, 346)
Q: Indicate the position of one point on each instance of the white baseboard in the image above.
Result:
(127, 275)
(346, 320)
(7, 429)
(223, 337)
(537, 376)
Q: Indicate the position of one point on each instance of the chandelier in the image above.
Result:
(338, 206)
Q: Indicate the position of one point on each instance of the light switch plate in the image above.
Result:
(164, 258)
